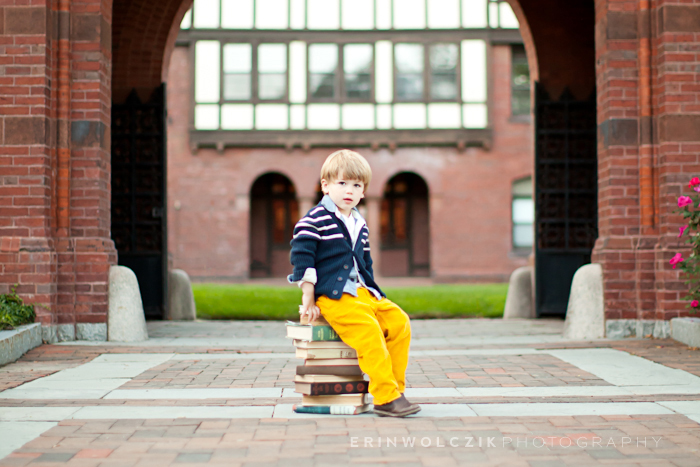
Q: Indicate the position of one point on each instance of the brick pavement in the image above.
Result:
(543, 440)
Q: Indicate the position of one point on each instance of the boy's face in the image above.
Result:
(345, 193)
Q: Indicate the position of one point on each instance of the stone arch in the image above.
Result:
(274, 210)
(405, 226)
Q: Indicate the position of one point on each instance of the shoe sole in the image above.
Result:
(383, 413)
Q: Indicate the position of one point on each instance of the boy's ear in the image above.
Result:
(324, 186)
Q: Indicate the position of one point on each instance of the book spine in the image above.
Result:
(349, 387)
(326, 409)
(324, 333)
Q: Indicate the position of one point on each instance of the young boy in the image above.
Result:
(333, 266)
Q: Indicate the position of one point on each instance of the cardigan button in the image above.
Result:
(340, 279)
(335, 292)
(345, 266)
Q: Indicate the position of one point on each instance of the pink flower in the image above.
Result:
(694, 181)
(694, 303)
(675, 260)
(684, 201)
(697, 189)
(682, 229)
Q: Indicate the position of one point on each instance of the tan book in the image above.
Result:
(340, 399)
(326, 378)
(302, 344)
(335, 370)
(331, 362)
(310, 354)
(320, 321)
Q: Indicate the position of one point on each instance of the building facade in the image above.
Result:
(442, 114)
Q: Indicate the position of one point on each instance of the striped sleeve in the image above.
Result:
(307, 233)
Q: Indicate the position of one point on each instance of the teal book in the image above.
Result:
(332, 409)
(310, 332)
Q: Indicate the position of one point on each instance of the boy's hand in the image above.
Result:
(308, 302)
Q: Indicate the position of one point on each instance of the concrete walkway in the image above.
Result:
(493, 393)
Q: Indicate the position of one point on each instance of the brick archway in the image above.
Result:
(66, 63)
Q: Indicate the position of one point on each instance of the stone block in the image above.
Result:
(126, 320)
(65, 332)
(16, 342)
(585, 312)
(662, 329)
(686, 330)
(620, 328)
(645, 328)
(181, 304)
(48, 334)
(519, 303)
(91, 331)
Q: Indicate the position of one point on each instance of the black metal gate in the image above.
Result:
(139, 226)
(566, 193)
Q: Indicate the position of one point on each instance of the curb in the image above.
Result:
(15, 343)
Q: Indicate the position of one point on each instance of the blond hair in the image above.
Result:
(352, 165)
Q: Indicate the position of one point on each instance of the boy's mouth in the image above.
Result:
(347, 199)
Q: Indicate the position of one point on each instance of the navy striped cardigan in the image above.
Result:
(322, 241)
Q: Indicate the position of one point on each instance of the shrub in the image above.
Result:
(691, 265)
(13, 311)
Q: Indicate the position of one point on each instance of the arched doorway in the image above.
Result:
(405, 227)
(273, 212)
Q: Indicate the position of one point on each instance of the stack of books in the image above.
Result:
(330, 381)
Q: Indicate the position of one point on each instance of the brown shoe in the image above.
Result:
(396, 408)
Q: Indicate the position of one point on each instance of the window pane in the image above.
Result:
(237, 14)
(237, 116)
(523, 235)
(383, 12)
(206, 71)
(237, 58)
(444, 115)
(443, 14)
(272, 85)
(271, 117)
(186, 22)
(358, 14)
(272, 58)
(237, 87)
(357, 64)
(443, 68)
(297, 17)
(474, 116)
(323, 61)
(409, 14)
(523, 187)
(508, 19)
(493, 14)
(297, 114)
(206, 13)
(408, 116)
(271, 14)
(383, 117)
(383, 73)
(523, 211)
(358, 116)
(297, 72)
(474, 13)
(323, 14)
(323, 117)
(520, 81)
(474, 71)
(206, 117)
(409, 67)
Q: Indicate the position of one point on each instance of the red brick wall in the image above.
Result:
(470, 206)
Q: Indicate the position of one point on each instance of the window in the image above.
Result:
(310, 65)
(523, 214)
(520, 82)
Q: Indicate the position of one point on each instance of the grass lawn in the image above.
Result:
(236, 301)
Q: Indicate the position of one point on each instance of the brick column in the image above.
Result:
(676, 110)
(54, 161)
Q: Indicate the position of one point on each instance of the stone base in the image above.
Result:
(621, 328)
(519, 301)
(585, 313)
(17, 342)
(91, 331)
(686, 330)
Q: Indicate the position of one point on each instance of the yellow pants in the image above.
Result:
(380, 332)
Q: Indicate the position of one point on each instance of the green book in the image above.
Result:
(310, 332)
